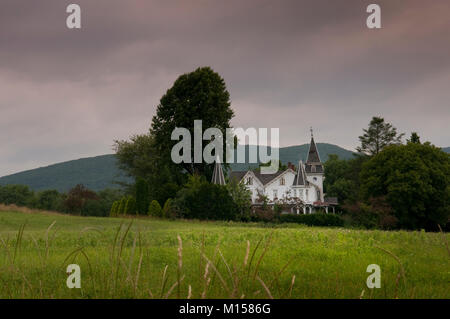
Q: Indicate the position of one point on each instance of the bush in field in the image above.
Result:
(318, 219)
(155, 209)
(199, 199)
(130, 206)
(168, 209)
(264, 214)
(114, 208)
(121, 207)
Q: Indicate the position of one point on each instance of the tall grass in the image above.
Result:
(135, 261)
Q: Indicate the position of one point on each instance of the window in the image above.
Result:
(275, 194)
(282, 181)
(295, 193)
(249, 181)
(306, 194)
(315, 179)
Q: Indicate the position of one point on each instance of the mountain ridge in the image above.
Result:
(100, 172)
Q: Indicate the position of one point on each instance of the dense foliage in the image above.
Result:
(199, 199)
(79, 200)
(414, 178)
(318, 219)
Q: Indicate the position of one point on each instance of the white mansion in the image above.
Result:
(299, 188)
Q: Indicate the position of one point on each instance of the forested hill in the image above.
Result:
(101, 172)
(96, 173)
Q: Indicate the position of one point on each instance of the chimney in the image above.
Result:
(291, 166)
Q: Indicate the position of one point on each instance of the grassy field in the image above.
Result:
(148, 258)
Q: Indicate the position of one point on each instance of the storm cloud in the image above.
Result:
(66, 94)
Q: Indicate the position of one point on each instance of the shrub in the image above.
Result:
(317, 219)
(121, 207)
(168, 210)
(155, 209)
(142, 197)
(375, 213)
(114, 208)
(264, 214)
(199, 199)
(242, 197)
(130, 206)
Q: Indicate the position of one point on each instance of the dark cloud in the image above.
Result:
(65, 93)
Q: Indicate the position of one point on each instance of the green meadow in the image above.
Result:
(151, 258)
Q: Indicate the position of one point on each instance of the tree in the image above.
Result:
(135, 156)
(19, 195)
(379, 135)
(142, 196)
(139, 159)
(414, 179)
(242, 197)
(342, 177)
(77, 198)
(155, 209)
(414, 138)
(199, 95)
(48, 200)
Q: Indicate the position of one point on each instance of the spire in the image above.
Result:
(218, 177)
(313, 153)
(300, 178)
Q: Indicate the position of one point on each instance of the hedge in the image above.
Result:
(318, 219)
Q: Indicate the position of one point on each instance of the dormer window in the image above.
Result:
(282, 181)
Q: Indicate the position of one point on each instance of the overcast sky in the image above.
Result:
(67, 94)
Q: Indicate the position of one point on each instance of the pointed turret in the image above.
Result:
(313, 163)
(218, 177)
(300, 178)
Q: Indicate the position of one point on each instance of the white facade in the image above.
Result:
(282, 187)
(299, 187)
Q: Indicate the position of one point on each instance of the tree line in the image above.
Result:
(390, 184)
(78, 201)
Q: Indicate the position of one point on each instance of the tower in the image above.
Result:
(218, 177)
(314, 167)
